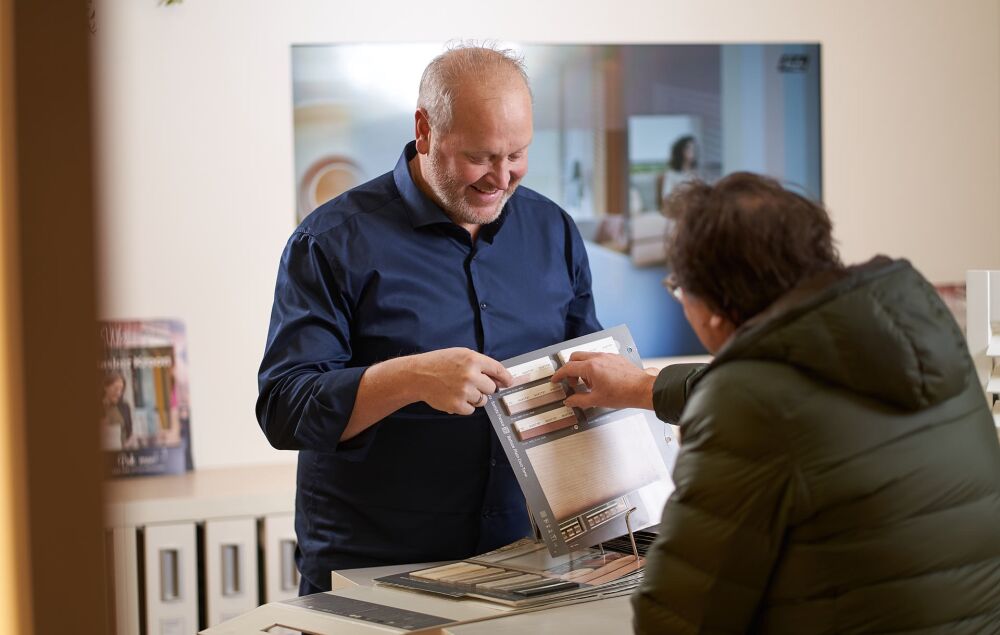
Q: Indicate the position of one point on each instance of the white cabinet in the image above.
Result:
(281, 577)
(170, 563)
(230, 563)
(179, 542)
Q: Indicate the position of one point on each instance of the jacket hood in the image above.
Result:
(878, 329)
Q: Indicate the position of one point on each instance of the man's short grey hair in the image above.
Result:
(462, 61)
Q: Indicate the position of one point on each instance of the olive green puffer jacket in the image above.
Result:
(839, 472)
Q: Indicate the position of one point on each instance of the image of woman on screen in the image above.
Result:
(681, 168)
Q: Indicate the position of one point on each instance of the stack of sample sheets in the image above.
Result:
(526, 574)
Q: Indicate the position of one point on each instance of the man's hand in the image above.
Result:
(613, 380)
(453, 380)
(456, 380)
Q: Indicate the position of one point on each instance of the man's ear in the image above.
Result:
(721, 325)
(422, 131)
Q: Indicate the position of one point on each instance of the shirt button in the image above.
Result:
(493, 462)
(482, 306)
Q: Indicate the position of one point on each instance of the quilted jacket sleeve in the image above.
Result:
(723, 526)
(671, 389)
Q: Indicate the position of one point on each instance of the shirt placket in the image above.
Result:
(492, 505)
(480, 298)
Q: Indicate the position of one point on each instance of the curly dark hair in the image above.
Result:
(744, 242)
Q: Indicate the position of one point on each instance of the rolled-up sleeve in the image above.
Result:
(306, 388)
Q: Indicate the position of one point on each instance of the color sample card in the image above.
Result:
(451, 570)
(534, 397)
(583, 472)
(549, 421)
(531, 370)
(603, 345)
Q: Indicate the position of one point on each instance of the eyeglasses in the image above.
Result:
(674, 287)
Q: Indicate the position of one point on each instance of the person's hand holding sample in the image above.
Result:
(452, 380)
(457, 380)
(613, 382)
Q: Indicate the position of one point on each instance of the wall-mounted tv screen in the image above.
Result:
(616, 128)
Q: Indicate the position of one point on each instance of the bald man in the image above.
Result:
(393, 303)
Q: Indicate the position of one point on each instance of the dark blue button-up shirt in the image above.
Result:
(381, 272)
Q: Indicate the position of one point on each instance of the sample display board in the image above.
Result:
(581, 471)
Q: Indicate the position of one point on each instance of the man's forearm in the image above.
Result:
(385, 388)
(452, 380)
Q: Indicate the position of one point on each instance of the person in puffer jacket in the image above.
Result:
(839, 469)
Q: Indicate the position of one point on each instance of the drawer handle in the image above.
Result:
(231, 570)
(289, 573)
(170, 579)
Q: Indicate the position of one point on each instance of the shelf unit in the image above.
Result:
(982, 296)
(191, 550)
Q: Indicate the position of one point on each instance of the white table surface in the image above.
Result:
(597, 617)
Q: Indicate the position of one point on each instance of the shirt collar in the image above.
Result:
(421, 210)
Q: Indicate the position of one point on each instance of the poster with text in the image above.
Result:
(145, 413)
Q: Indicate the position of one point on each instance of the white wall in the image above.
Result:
(195, 138)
